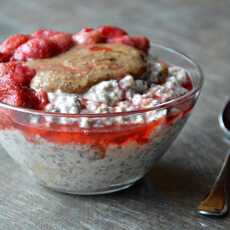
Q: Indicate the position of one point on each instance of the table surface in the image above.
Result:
(168, 196)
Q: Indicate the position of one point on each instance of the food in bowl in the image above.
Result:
(91, 112)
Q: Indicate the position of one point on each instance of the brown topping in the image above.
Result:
(76, 70)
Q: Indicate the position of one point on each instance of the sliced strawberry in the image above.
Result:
(17, 96)
(29, 98)
(10, 97)
(88, 36)
(187, 84)
(23, 75)
(17, 73)
(127, 40)
(9, 45)
(4, 57)
(15, 87)
(43, 99)
(7, 68)
(44, 33)
(9, 92)
(35, 48)
(22, 96)
(109, 32)
(141, 43)
(63, 41)
(6, 83)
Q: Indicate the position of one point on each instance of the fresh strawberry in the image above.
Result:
(43, 99)
(23, 75)
(141, 43)
(4, 57)
(9, 45)
(88, 36)
(63, 41)
(17, 73)
(109, 32)
(6, 83)
(127, 40)
(15, 88)
(187, 84)
(24, 97)
(10, 96)
(28, 98)
(35, 48)
(44, 33)
(9, 92)
(7, 68)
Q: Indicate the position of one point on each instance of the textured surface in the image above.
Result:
(167, 198)
(126, 59)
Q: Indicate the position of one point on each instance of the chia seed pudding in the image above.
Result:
(91, 127)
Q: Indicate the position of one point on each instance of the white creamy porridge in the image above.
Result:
(127, 94)
(82, 169)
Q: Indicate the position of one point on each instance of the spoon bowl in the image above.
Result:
(224, 120)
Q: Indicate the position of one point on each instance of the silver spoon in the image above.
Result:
(216, 202)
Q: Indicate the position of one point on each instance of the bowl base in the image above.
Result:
(111, 189)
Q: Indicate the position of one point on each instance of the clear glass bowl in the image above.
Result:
(102, 159)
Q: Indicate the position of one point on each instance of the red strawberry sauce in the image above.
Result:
(100, 138)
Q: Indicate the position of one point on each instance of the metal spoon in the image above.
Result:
(216, 202)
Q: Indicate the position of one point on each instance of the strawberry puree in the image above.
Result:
(100, 138)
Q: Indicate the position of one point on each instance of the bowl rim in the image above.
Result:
(182, 98)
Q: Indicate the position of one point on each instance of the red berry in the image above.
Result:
(88, 36)
(28, 98)
(9, 96)
(109, 32)
(35, 100)
(9, 92)
(17, 73)
(34, 49)
(9, 45)
(21, 96)
(4, 57)
(187, 84)
(6, 83)
(15, 87)
(23, 75)
(88, 29)
(44, 33)
(25, 97)
(141, 43)
(123, 39)
(7, 68)
(43, 99)
(63, 41)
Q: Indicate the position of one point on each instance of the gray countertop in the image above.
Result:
(168, 196)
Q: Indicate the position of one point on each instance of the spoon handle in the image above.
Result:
(216, 202)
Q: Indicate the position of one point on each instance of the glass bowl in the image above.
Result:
(102, 159)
